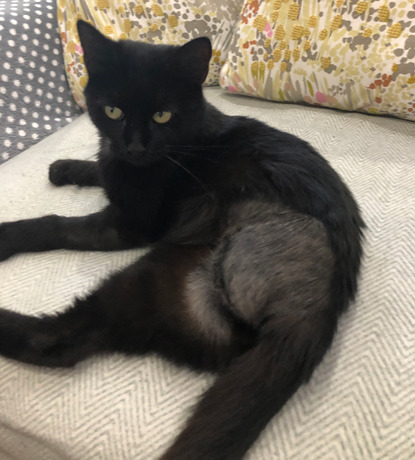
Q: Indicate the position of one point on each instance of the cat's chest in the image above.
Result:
(164, 189)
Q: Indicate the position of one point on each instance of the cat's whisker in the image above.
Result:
(200, 148)
(188, 172)
(189, 154)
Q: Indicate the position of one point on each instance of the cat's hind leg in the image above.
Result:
(74, 172)
(59, 340)
(276, 275)
(140, 309)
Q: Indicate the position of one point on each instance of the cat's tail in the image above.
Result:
(234, 411)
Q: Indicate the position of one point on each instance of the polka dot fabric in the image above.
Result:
(35, 99)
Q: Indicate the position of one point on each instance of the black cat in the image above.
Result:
(255, 244)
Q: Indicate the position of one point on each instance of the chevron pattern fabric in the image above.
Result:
(359, 404)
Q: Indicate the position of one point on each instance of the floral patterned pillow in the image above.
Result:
(346, 54)
(153, 21)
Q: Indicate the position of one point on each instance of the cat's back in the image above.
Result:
(286, 171)
(255, 157)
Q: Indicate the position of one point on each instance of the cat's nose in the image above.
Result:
(135, 148)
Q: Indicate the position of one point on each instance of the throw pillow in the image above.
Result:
(345, 54)
(153, 21)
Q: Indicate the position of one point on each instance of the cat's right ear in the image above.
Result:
(194, 57)
(98, 50)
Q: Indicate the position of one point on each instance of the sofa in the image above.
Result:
(359, 403)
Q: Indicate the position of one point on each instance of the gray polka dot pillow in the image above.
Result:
(35, 98)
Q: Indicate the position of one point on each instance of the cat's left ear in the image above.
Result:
(99, 51)
(194, 58)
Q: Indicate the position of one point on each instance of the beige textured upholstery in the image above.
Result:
(360, 403)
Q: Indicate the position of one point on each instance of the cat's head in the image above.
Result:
(144, 98)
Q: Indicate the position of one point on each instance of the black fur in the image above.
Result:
(255, 244)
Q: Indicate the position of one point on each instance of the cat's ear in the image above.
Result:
(194, 58)
(99, 50)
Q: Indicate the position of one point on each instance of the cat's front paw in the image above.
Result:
(7, 241)
(60, 172)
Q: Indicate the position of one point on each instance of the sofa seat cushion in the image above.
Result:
(360, 401)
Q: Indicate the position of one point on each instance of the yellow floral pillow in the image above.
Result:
(347, 54)
(153, 21)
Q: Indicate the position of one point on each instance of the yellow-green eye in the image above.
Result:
(113, 112)
(162, 117)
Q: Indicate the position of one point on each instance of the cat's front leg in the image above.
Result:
(74, 172)
(101, 231)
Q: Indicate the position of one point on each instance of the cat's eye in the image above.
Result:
(162, 117)
(114, 113)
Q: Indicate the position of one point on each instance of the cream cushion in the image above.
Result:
(360, 401)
